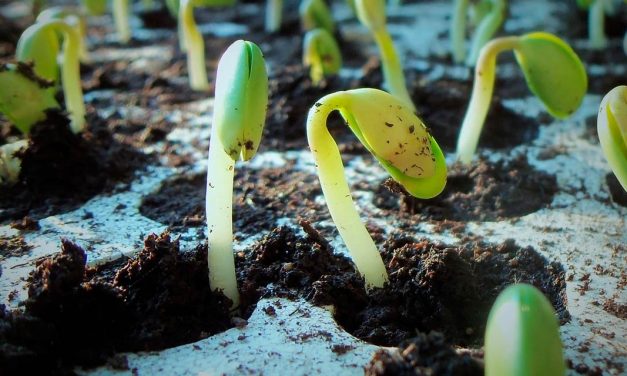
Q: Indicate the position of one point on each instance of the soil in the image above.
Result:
(61, 170)
(619, 195)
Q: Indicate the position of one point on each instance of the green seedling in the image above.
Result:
(612, 130)
(73, 18)
(274, 13)
(488, 15)
(24, 97)
(553, 72)
(371, 13)
(316, 14)
(191, 41)
(95, 7)
(397, 138)
(39, 44)
(238, 118)
(522, 335)
(596, 20)
(321, 54)
(121, 19)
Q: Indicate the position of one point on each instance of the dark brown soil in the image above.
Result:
(483, 191)
(62, 170)
(425, 354)
(619, 196)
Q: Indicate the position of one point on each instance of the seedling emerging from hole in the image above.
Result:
(39, 44)
(612, 130)
(238, 118)
(371, 13)
(553, 73)
(397, 138)
(73, 18)
(316, 14)
(24, 98)
(596, 20)
(321, 54)
(522, 335)
(488, 15)
(274, 12)
(190, 40)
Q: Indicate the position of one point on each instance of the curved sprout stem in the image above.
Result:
(458, 30)
(486, 29)
(218, 206)
(596, 24)
(121, 20)
(481, 96)
(195, 47)
(612, 116)
(274, 13)
(362, 249)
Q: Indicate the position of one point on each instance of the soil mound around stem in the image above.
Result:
(437, 287)
(425, 354)
(61, 170)
(159, 299)
(483, 191)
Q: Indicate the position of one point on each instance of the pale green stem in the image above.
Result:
(219, 212)
(274, 12)
(327, 157)
(486, 29)
(458, 30)
(596, 25)
(70, 75)
(121, 20)
(392, 69)
(195, 47)
(316, 70)
(481, 96)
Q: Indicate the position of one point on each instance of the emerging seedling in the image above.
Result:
(321, 54)
(121, 19)
(612, 130)
(190, 40)
(553, 73)
(316, 14)
(371, 13)
(73, 18)
(274, 12)
(397, 138)
(238, 118)
(596, 20)
(39, 44)
(522, 336)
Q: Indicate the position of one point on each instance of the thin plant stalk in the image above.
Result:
(274, 12)
(458, 30)
(121, 20)
(195, 47)
(392, 68)
(219, 209)
(481, 97)
(596, 24)
(486, 29)
(363, 251)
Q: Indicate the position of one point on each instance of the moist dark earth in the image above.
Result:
(438, 296)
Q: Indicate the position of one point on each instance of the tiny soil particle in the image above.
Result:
(425, 354)
(615, 308)
(342, 349)
(26, 224)
(61, 170)
(483, 191)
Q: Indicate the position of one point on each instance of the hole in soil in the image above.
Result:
(62, 170)
(619, 196)
(485, 191)
(442, 105)
(261, 197)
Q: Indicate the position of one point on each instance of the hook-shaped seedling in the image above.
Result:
(74, 18)
(371, 13)
(316, 14)
(397, 138)
(522, 335)
(238, 118)
(612, 130)
(553, 72)
(38, 44)
(321, 54)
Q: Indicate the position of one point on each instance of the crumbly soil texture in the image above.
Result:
(161, 298)
(60, 170)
